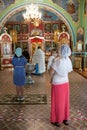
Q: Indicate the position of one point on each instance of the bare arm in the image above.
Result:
(51, 73)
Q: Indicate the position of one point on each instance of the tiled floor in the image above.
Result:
(37, 117)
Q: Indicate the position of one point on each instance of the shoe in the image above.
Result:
(55, 124)
(18, 98)
(66, 122)
(22, 98)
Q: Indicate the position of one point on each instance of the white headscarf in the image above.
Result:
(63, 65)
(65, 51)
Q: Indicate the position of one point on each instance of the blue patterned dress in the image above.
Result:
(19, 75)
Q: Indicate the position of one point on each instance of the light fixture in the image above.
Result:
(32, 14)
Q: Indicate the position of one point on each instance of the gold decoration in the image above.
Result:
(13, 34)
(56, 33)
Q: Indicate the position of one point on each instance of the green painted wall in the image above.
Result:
(72, 25)
(83, 19)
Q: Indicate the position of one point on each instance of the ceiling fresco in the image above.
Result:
(46, 16)
(5, 3)
(71, 6)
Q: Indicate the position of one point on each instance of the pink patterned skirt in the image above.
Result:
(60, 103)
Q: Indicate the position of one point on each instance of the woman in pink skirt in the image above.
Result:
(60, 103)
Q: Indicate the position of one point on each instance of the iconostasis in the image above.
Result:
(6, 49)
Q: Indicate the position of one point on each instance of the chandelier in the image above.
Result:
(32, 15)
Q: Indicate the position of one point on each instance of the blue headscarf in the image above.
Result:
(18, 52)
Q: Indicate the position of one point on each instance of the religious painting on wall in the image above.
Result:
(71, 6)
(47, 28)
(5, 3)
(63, 27)
(55, 27)
(49, 15)
(6, 49)
(17, 27)
(9, 27)
(6, 42)
(24, 28)
(80, 38)
(80, 34)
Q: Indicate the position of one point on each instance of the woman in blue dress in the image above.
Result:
(19, 76)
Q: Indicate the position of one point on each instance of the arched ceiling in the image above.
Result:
(46, 16)
(54, 12)
(72, 10)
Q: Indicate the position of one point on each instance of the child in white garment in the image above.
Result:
(51, 59)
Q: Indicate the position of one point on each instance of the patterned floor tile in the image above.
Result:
(37, 117)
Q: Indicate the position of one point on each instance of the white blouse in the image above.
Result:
(62, 67)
